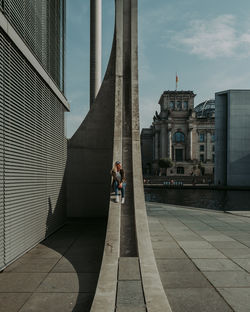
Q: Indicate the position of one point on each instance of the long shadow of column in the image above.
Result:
(78, 246)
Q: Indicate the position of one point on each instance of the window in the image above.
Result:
(213, 157)
(213, 137)
(202, 137)
(171, 105)
(213, 148)
(185, 105)
(178, 105)
(201, 148)
(180, 170)
(202, 157)
(179, 154)
(179, 137)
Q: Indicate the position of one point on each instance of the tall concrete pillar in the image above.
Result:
(190, 144)
(169, 144)
(208, 151)
(95, 48)
(163, 141)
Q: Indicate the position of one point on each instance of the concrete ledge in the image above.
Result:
(105, 295)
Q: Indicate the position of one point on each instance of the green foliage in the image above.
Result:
(165, 163)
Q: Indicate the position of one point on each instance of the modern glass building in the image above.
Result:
(33, 147)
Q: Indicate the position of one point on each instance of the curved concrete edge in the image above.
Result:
(105, 296)
(155, 297)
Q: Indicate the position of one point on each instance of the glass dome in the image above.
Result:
(205, 109)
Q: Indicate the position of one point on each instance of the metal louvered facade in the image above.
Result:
(41, 23)
(33, 151)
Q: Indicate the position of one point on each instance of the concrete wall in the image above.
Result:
(90, 154)
(233, 138)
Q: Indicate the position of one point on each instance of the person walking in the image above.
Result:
(118, 181)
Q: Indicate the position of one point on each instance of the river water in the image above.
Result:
(209, 199)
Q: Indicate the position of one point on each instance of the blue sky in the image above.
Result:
(206, 42)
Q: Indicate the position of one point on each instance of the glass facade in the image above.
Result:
(41, 24)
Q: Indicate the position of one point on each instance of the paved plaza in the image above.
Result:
(203, 257)
(59, 275)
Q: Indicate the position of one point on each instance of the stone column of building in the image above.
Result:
(156, 139)
(163, 141)
(169, 144)
(190, 133)
(208, 146)
(95, 48)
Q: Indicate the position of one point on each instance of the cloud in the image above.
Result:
(210, 39)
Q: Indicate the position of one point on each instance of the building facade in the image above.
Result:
(33, 147)
(232, 138)
(182, 133)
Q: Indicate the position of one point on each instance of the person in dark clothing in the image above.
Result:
(118, 181)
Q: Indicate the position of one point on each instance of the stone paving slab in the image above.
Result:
(229, 279)
(213, 274)
(176, 265)
(129, 293)
(129, 269)
(12, 302)
(216, 265)
(58, 302)
(20, 282)
(168, 253)
(238, 298)
(129, 309)
(69, 282)
(31, 265)
(240, 253)
(184, 280)
(204, 253)
(244, 263)
(79, 265)
(230, 245)
(196, 300)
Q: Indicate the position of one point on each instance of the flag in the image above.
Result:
(176, 81)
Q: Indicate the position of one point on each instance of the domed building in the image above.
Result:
(182, 133)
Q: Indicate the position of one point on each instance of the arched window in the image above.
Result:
(179, 137)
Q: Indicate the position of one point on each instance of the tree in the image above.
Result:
(165, 163)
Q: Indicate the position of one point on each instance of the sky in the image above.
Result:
(206, 42)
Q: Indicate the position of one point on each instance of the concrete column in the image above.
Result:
(95, 48)
(169, 144)
(163, 141)
(156, 145)
(208, 146)
(191, 144)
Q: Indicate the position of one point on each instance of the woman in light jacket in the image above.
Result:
(118, 181)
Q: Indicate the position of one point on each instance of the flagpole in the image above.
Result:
(176, 81)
